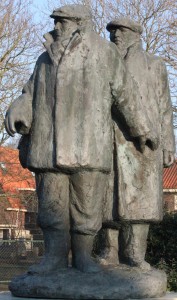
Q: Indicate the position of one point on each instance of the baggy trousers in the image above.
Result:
(71, 202)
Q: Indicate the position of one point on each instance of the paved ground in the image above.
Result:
(4, 287)
(7, 296)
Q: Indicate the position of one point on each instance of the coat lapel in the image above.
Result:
(62, 50)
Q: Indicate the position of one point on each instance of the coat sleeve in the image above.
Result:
(166, 111)
(127, 99)
(22, 106)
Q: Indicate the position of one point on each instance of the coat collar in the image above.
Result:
(72, 43)
(134, 48)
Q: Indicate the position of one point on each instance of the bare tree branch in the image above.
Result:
(19, 46)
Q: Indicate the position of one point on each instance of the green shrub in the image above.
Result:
(162, 248)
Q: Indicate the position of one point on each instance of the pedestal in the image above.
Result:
(118, 282)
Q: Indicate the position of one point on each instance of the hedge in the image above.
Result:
(162, 248)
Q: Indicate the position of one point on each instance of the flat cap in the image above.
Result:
(125, 22)
(73, 11)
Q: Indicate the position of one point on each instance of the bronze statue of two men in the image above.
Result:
(96, 125)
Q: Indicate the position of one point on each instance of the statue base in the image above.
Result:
(114, 282)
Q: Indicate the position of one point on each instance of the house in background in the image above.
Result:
(18, 203)
(170, 188)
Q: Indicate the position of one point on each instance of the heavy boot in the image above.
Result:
(109, 253)
(133, 244)
(56, 253)
(82, 254)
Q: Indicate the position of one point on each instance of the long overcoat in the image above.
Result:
(71, 101)
(138, 176)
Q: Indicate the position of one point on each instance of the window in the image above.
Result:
(3, 165)
(175, 202)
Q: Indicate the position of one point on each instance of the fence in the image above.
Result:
(17, 255)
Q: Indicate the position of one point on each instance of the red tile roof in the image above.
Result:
(170, 177)
(13, 177)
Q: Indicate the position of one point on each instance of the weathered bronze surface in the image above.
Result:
(96, 125)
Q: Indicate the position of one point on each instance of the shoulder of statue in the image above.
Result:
(157, 63)
(153, 58)
(43, 58)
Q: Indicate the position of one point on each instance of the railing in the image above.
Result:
(17, 255)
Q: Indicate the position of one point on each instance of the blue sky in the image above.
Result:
(41, 11)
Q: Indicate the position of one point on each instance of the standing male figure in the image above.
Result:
(64, 113)
(139, 175)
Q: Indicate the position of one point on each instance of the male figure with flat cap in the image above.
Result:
(64, 114)
(139, 174)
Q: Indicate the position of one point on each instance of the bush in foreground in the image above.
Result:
(162, 248)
